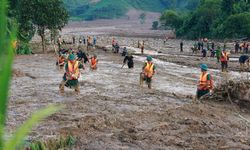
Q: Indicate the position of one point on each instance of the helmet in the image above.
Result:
(71, 57)
(204, 67)
(149, 58)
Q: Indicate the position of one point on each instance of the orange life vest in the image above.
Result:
(205, 84)
(149, 70)
(224, 56)
(73, 70)
(93, 61)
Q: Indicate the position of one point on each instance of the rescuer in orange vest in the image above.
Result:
(72, 74)
(148, 72)
(224, 60)
(205, 82)
(93, 62)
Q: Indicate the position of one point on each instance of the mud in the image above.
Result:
(114, 112)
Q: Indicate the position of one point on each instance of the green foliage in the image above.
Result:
(213, 19)
(237, 25)
(155, 25)
(18, 137)
(23, 49)
(61, 143)
(7, 37)
(6, 57)
(37, 14)
(172, 19)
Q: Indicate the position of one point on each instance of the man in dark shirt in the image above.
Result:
(181, 46)
(129, 59)
(244, 60)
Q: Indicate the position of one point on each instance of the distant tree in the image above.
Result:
(142, 18)
(172, 19)
(38, 14)
(237, 25)
(49, 14)
(155, 25)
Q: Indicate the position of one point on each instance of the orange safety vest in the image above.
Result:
(73, 70)
(149, 70)
(93, 61)
(224, 56)
(205, 84)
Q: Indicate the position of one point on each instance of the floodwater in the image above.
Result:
(114, 112)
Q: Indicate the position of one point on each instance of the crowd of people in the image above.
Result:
(73, 60)
(221, 52)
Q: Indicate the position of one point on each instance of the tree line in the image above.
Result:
(36, 16)
(212, 19)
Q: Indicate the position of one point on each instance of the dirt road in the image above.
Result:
(114, 112)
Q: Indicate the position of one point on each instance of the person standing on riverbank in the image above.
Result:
(224, 60)
(236, 47)
(181, 46)
(246, 47)
(142, 47)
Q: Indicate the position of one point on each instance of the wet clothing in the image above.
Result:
(142, 49)
(149, 69)
(243, 59)
(212, 45)
(224, 56)
(82, 56)
(224, 66)
(117, 47)
(72, 81)
(213, 53)
(199, 45)
(148, 72)
(204, 53)
(93, 64)
(205, 84)
(124, 52)
(201, 93)
(237, 47)
(224, 61)
(130, 61)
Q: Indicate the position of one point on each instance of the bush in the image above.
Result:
(237, 25)
(172, 19)
(23, 49)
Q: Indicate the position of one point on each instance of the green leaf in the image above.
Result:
(27, 126)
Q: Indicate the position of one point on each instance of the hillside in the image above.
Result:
(109, 9)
